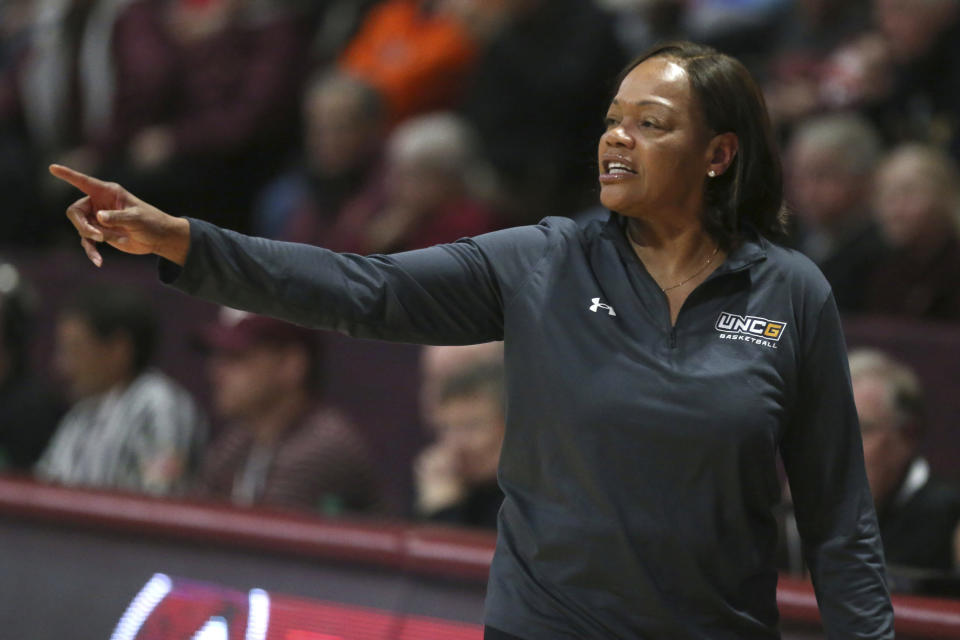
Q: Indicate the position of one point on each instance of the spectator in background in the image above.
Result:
(131, 427)
(858, 75)
(456, 477)
(918, 515)
(341, 166)
(830, 164)
(802, 42)
(538, 96)
(810, 28)
(916, 200)
(923, 38)
(335, 23)
(440, 363)
(639, 24)
(29, 411)
(742, 28)
(206, 102)
(56, 94)
(435, 190)
(15, 19)
(281, 445)
(902, 74)
(415, 53)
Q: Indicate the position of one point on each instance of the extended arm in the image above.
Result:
(448, 294)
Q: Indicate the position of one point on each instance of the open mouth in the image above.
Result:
(615, 169)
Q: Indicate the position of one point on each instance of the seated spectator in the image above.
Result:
(916, 201)
(456, 477)
(281, 445)
(440, 363)
(742, 28)
(335, 22)
(340, 169)
(803, 42)
(640, 24)
(923, 40)
(918, 514)
(434, 192)
(29, 411)
(15, 18)
(902, 75)
(830, 164)
(56, 93)
(206, 103)
(131, 427)
(414, 53)
(538, 95)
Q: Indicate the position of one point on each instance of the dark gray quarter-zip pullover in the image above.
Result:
(639, 465)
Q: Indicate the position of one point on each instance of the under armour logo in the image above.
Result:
(599, 305)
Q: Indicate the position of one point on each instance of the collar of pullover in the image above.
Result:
(750, 251)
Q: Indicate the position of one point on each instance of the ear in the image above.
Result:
(121, 349)
(293, 364)
(721, 151)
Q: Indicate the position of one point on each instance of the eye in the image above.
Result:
(650, 124)
(610, 122)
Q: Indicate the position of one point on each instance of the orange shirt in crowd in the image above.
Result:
(418, 59)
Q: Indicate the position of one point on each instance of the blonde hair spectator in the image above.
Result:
(446, 145)
(917, 195)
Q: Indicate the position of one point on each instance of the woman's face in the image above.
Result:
(653, 157)
(909, 208)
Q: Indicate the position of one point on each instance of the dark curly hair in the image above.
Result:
(112, 311)
(751, 190)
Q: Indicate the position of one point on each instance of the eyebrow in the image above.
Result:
(644, 103)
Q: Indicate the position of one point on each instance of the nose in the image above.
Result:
(617, 137)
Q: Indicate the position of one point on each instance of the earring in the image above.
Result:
(712, 173)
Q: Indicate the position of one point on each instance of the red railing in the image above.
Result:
(416, 548)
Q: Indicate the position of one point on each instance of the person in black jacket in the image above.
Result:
(656, 363)
(918, 513)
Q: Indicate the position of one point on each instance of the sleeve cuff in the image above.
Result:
(172, 274)
(168, 271)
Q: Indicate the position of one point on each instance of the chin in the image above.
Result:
(619, 207)
(613, 197)
(608, 199)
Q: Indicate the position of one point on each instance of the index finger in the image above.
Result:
(88, 184)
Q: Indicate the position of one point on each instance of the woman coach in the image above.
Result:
(656, 363)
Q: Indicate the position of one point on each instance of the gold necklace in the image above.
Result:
(695, 273)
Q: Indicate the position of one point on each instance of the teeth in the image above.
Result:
(618, 167)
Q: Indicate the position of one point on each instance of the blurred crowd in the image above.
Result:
(376, 126)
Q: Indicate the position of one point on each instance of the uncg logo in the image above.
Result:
(751, 326)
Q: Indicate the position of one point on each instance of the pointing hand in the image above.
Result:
(109, 213)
